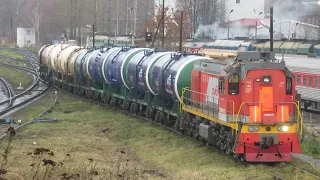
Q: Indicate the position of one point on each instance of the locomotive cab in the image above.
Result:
(247, 106)
(268, 113)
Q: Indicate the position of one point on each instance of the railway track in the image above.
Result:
(31, 58)
(179, 133)
(9, 92)
(35, 90)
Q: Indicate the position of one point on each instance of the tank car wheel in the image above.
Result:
(63, 86)
(157, 117)
(83, 93)
(126, 106)
(133, 108)
(163, 119)
(70, 88)
(107, 99)
(113, 102)
(149, 113)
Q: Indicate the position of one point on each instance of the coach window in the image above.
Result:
(234, 84)
(289, 86)
(310, 82)
(317, 82)
(304, 80)
(299, 80)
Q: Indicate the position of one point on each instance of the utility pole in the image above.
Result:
(271, 29)
(163, 11)
(229, 23)
(79, 24)
(71, 19)
(257, 25)
(155, 35)
(127, 17)
(181, 31)
(135, 20)
(117, 11)
(93, 38)
(95, 13)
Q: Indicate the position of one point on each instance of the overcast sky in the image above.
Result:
(167, 2)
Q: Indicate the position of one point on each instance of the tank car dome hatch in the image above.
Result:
(95, 65)
(138, 69)
(63, 58)
(117, 65)
(172, 73)
(72, 62)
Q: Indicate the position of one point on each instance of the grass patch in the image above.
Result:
(15, 77)
(311, 143)
(7, 52)
(98, 133)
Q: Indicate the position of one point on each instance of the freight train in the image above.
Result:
(246, 106)
(294, 47)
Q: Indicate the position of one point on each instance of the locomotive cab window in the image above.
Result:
(289, 86)
(234, 84)
(222, 86)
(299, 80)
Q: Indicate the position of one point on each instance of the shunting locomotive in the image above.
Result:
(246, 106)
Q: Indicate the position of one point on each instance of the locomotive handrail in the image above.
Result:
(299, 116)
(242, 104)
(182, 103)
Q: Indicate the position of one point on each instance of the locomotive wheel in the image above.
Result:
(242, 158)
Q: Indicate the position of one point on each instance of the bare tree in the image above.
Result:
(203, 12)
(36, 19)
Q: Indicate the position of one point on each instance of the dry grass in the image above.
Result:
(121, 147)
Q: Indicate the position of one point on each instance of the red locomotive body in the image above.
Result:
(248, 108)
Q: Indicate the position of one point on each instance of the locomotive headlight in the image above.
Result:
(283, 128)
(266, 79)
(253, 128)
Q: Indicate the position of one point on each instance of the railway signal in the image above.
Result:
(148, 37)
